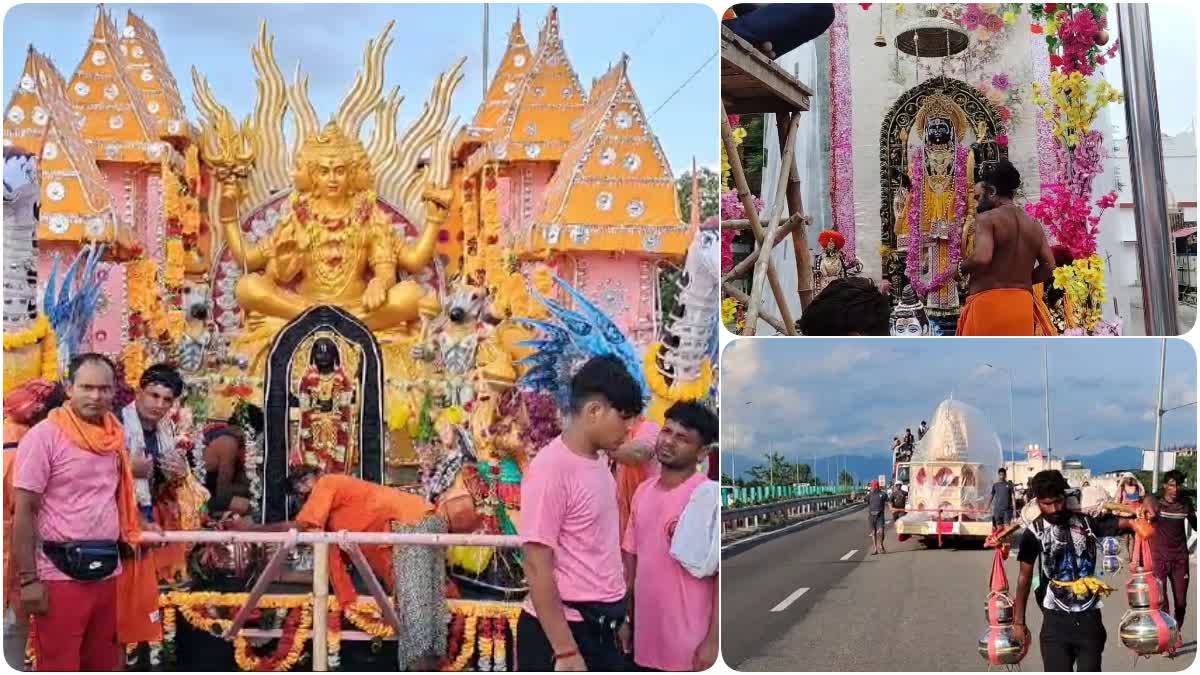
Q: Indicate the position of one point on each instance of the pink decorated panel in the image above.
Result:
(624, 285)
(110, 327)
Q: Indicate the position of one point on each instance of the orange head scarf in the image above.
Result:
(137, 587)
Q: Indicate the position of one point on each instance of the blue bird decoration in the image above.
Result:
(69, 307)
(568, 340)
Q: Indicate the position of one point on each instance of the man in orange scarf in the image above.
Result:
(75, 507)
(1012, 255)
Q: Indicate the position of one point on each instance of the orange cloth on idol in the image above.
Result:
(137, 588)
(1002, 311)
(339, 502)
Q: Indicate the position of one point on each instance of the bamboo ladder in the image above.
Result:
(753, 84)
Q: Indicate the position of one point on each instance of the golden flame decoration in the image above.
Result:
(393, 155)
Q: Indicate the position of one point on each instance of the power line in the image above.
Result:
(680, 87)
(646, 36)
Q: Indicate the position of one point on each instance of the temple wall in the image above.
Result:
(876, 83)
(624, 285)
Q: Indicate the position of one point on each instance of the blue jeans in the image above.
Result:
(786, 26)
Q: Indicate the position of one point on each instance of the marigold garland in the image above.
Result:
(287, 652)
(50, 357)
(486, 646)
(468, 645)
(29, 336)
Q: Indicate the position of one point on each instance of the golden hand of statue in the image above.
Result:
(376, 294)
(437, 204)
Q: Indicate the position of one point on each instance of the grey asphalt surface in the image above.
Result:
(912, 609)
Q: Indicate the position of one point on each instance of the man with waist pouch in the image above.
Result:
(571, 529)
(75, 506)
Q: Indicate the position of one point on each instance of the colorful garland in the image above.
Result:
(841, 117)
(28, 337)
(288, 650)
(916, 240)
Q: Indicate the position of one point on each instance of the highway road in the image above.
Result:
(817, 600)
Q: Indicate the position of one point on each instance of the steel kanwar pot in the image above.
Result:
(1148, 631)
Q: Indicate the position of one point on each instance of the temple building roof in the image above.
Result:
(75, 203)
(515, 64)
(614, 190)
(118, 125)
(146, 68)
(544, 107)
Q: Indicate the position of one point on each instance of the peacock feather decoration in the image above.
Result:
(70, 306)
(568, 339)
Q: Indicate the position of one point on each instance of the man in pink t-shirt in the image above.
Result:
(66, 494)
(571, 531)
(673, 615)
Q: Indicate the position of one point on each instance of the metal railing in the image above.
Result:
(796, 508)
(731, 497)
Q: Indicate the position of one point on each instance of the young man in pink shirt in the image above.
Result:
(672, 614)
(570, 526)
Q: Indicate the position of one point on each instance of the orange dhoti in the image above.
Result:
(1004, 311)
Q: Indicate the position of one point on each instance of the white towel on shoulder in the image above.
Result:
(696, 543)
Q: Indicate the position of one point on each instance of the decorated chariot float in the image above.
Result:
(404, 306)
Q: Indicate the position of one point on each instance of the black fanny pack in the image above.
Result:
(607, 616)
(84, 560)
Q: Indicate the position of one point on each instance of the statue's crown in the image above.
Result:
(331, 141)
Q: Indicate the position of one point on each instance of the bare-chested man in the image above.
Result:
(1012, 254)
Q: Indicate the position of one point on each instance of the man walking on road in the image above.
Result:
(899, 499)
(876, 513)
(1170, 544)
(1069, 593)
(1012, 254)
(1002, 501)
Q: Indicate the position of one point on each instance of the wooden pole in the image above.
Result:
(795, 202)
(777, 208)
(320, 639)
(388, 538)
(735, 293)
(789, 226)
(260, 587)
(743, 190)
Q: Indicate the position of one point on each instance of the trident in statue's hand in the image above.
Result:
(230, 151)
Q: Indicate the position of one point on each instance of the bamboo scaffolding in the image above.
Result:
(744, 194)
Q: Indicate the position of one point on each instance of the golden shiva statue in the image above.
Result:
(335, 242)
(334, 245)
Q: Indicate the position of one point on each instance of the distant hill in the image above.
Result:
(1113, 459)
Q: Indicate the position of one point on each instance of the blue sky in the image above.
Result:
(821, 397)
(666, 44)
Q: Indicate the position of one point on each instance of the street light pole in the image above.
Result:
(1046, 385)
(1012, 448)
(1147, 177)
(1158, 414)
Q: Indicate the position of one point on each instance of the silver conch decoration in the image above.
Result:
(394, 154)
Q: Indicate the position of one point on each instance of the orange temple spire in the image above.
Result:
(614, 190)
(538, 123)
(117, 124)
(146, 68)
(513, 68)
(39, 119)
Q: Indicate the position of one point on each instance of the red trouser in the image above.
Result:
(79, 632)
(1175, 572)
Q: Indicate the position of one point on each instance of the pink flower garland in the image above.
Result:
(1046, 146)
(841, 156)
(731, 209)
(915, 238)
(1068, 217)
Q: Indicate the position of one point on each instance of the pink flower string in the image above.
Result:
(916, 239)
(841, 117)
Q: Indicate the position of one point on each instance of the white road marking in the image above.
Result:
(789, 600)
(850, 554)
